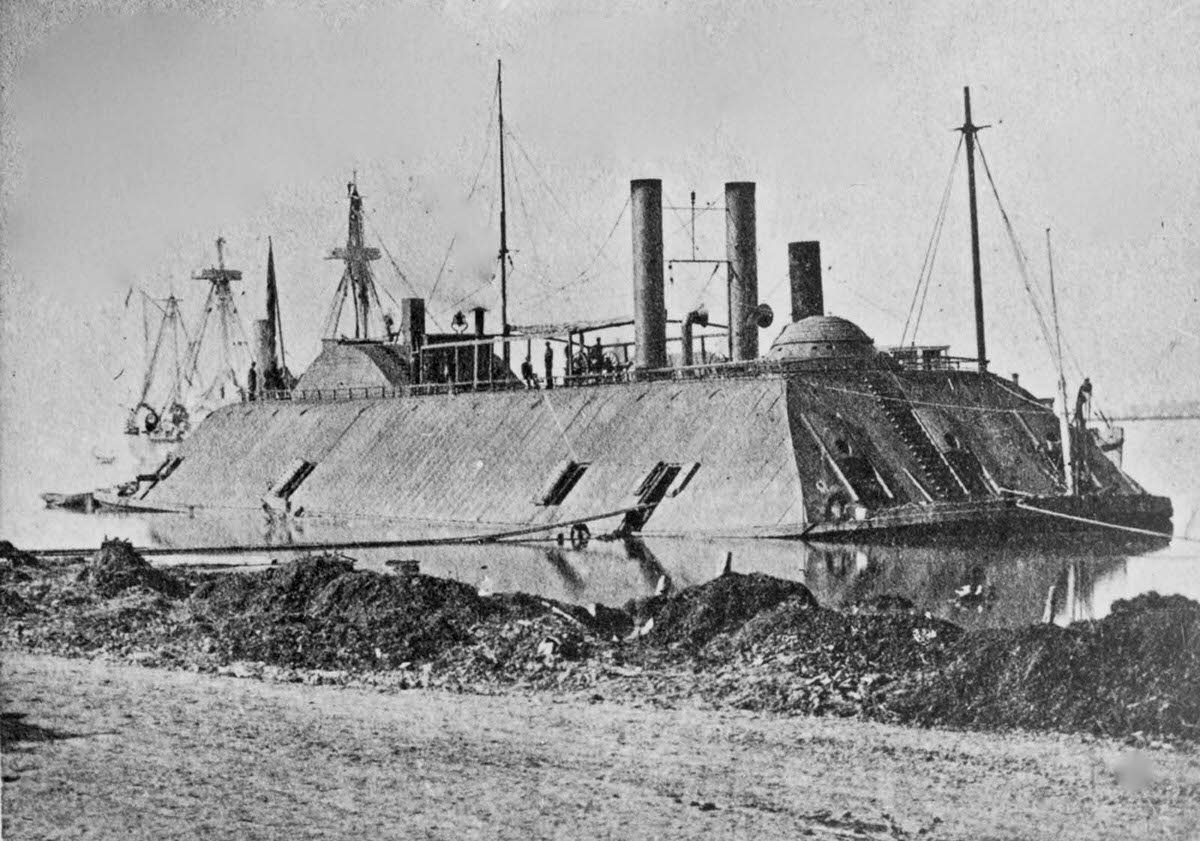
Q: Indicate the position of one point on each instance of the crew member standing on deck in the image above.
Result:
(1083, 400)
(252, 381)
(596, 362)
(527, 373)
(548, 359)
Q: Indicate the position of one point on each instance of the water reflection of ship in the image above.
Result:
(1012, 583)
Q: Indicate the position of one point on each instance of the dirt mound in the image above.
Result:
(694, 616)
(746, 641)
(289, 588)
(1151, 602)
(318, 612)
(12, 605)
(1136, 670)
(15, 556)
(885, 603)
(878, 641)
(116, 568)
(15, 566)
(802, 658)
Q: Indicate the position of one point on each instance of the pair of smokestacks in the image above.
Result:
(746, 316)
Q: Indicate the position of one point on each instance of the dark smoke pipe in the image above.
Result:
(649, 306)
(741, 250)
(804, 271)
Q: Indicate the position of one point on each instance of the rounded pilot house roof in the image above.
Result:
(821, 336)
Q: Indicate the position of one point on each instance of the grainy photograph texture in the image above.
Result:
(534, 419)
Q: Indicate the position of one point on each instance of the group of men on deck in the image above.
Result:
(593, 359)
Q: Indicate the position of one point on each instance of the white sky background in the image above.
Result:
(131, 139)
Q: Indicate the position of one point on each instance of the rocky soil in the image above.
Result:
(741, 641)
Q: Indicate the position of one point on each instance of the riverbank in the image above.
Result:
(748, 642)
(314, 700)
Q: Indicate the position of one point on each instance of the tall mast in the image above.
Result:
(220, 296)
(1064, 421)
(969, 130)
(503, 220)
(357, 280)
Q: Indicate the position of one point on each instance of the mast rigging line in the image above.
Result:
(607, 239)
(528, 222)
(403, 277)
(1021, 258)
(1058, 354)
(584, 275)
(487, 148)
(684, 224)
(926, 272)
(546, 184)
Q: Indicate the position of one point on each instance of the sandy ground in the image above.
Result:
(93, 749)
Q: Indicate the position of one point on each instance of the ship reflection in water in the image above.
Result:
(1003, 583)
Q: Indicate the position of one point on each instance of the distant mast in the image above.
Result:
(969, 131)
(357, 281)
(504, 329)
(220, 298)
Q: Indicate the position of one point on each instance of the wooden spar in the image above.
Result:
(1064, 422)
(504, 328)
(969, 130)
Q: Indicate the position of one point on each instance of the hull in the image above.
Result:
(1006, 518)
(72, 502)
(825, 454)
(150, 451)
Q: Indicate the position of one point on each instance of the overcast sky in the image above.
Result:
(132, 139)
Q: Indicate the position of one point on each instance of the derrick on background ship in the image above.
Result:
(189, 373)
(825, 436)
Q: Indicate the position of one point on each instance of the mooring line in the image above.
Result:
(1115, 526)
(459, 540)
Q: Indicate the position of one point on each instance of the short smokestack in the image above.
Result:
(741, 249)
(699, 316)
(412, 322)
(478, 313)
(804, 271)
(649, 308)
(412, 333)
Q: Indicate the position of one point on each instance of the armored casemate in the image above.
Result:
(825, 435)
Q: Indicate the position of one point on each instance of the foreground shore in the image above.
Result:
(312, 699)
(100, 749)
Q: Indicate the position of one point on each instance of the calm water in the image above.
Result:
(996, 584)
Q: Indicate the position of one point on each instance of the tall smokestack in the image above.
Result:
(741, 249)
(649, 308)
(804, 271)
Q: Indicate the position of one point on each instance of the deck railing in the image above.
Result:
(710, 371)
